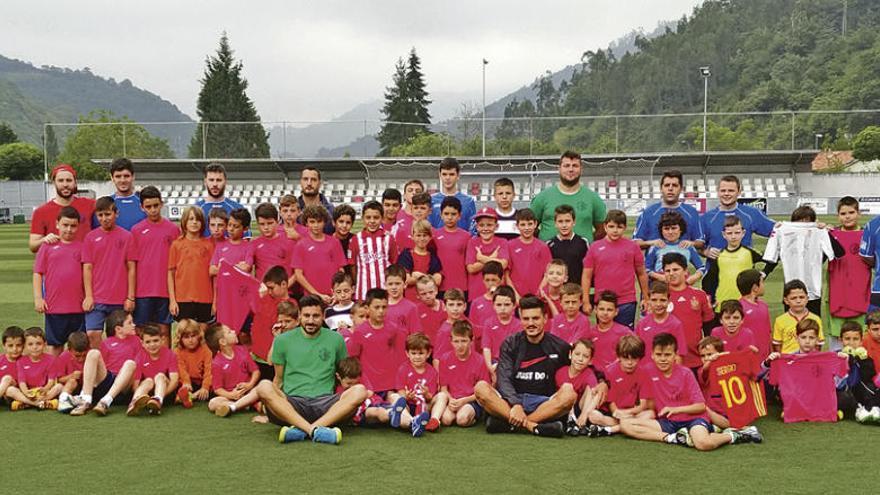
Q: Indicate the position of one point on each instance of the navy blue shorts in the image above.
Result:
(478, 409)
(103, 388)
(95, 318)
(669, 426)
(59, 327)
(200, 312)
(626, 314)
(531, 402)
(151, 310)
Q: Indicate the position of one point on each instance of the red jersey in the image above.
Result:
(265, 253)
(36, 374)
(61, 267)
(7, 367)
(45, 218)
(459, 376)
(319, 261)
(148, 367)
(371, 254)
(410, 379)
(431, 319)
(806, 385)
(236, 291)
(569, 331)
(265, 311)
(580, 382)
(692, 308)
(849, 278)
(443, 345)
(228, 372)
(404, 314)
(732, 378)
(115, 351)
(527, 264)
(152, 241)
(109, 253)
(65, 364)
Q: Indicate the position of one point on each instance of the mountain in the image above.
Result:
(58, 94)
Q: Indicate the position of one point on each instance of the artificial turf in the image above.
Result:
(192, 451)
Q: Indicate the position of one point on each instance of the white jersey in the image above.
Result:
(800, 246)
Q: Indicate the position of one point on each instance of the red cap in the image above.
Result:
(486, 211)
(62, 167)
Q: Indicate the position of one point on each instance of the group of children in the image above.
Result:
(425, 313)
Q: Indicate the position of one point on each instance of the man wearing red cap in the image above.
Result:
(43, 228)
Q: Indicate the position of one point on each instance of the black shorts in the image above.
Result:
(310, 408)
(60, 326)
(267, 371)
(200, 312)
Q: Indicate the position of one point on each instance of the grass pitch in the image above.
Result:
(192, 451)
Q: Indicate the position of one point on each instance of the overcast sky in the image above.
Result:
(313, 60)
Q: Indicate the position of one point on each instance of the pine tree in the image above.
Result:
(406, 100)
(223, 98)
(7, 135)
(417, 96)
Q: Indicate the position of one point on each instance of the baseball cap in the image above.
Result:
(62, 167)
(487, 212)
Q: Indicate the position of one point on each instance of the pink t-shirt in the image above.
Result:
(584, 379)
(460, 376)
(648, 327)
(494, 333)
(7, 367)
(806, 384)
(319, 261)
(152, 242)
(266, 253)
(431, 319)
(402, 232)
(108, 253)
(231, 253)
(475, 280)
(408, 378)
(115, 351)
(614, 267)
(740, 341)
(605, 343)
(623, 387)
(148, 367)
(444, 339)
(678, 389)
(236, 291)
(569, 331)
(481, 310)
(527, 264)
(757, 318)
(381, 352)
(65, 364)
(849, 278)
(452, 251)
(227, 372)
(404, 314)
(346, 337)
(61, 267)
(36, 374)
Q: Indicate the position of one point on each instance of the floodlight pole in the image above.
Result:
(485, 62)
(705, 72)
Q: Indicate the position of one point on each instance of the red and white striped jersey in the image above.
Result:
(371, 254)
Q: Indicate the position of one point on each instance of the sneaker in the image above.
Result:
(875, 414)
(572, 429)
(65, 405)
(81, 409)
(551, 429)
(839, 415)
(222, 411)
(51, 405)
(135, 407)
(358, 418)
(749, 434)
(597, 431)
(322, 434)
(101, 408)
(862, 414)
(683, 437)
(396, 411)
(290, 434)
(495, 425)
(184, 397)
(433, 424)
(419, 424)
(17, 405)
(154, 407)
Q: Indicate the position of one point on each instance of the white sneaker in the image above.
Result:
(65, 405)
(862, 414)
(875, 414)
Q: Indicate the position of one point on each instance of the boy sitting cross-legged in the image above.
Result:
(623, 400)
(233, 371)
(673, 393)
(157, 374)
(460, 371)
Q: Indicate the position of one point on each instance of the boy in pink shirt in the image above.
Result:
(498, 327)
(235, 248)
(452, 242)
(431, 310)
(152, 240)
(483, 248)
(402, 230)
(69, 369)
(288, 208)
(156, 374)
(615, 263)
(109, 372)
(606, 333)
(58, 271)
(659, 320)
(317, 256)
(673, 393)
(234, 374)
(13, 344)
(460, 370)
(109, 277)
(570, 324)
(623, 400)
(379, 345)
(218, 220)
(402, 313)
(270, 249)
(735, 336)
(455, 305)
(36, 384)
(756, 314)
(529, 256)
(417, 386)
(482, 308)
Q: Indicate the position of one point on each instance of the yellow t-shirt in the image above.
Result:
(785, 332)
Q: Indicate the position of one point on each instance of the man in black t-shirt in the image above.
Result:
(525, 395)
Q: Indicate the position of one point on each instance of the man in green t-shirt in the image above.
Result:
(588, 207)
(302, 398)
